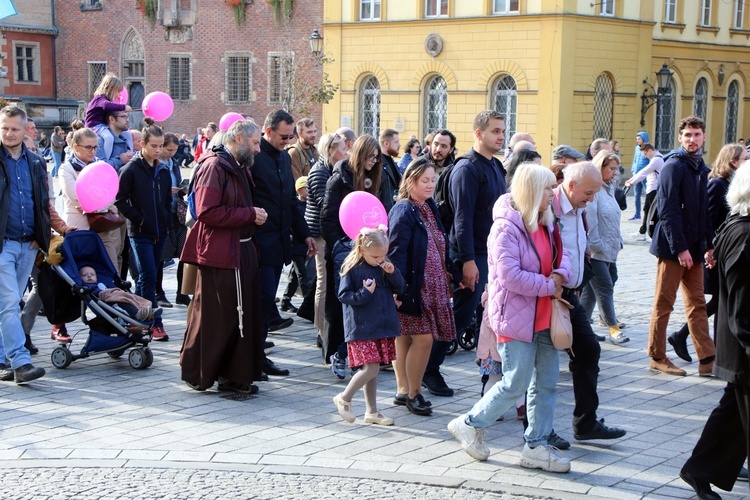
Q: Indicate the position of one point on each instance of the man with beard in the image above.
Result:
(440, 151)
(224, 341)
(303, 152)
(390, 178)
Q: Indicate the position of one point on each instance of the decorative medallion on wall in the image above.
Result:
(433, 45)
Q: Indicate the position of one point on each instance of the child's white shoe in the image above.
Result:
(344, 408)
(377, 418)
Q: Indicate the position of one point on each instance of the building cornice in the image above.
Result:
(18, 28)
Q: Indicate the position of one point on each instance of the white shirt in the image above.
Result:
(573, 235)
(650, 172)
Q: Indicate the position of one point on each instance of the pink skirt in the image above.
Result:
(362, 352)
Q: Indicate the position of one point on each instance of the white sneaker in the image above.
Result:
(471, 438)
(544, 457)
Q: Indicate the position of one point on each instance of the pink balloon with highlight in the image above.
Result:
(97, 186)
(123, 97)
(158, 105)
(228, 119)
(361, 209)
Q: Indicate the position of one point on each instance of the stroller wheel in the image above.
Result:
(139, 359)
(149, 357)
(62, 357)
(468, 339)
(453, 348)
(116, 354)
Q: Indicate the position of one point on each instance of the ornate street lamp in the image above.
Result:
(663, 78)
(316, 44)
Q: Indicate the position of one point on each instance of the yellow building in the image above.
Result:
(563, 70)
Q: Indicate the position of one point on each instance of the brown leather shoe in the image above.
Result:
(666, 366)
(706, 370)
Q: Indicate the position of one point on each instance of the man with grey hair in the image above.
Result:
(582, 181)
(514, 140)
(597, 145)
(349, 136)
(224, 340)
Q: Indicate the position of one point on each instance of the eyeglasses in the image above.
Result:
(373, 158)
(90, 149)
(122, 116)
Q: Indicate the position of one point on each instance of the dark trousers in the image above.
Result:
(333, 331)
(650, 198)
(301, 275)
(269, 283)
(147, 254)
(465, 303)
(723, 446)
(584, 365)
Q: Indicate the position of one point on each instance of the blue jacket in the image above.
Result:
(639, 160)
(682, 204)
(472, 202)
(370, 316)
(408, 251)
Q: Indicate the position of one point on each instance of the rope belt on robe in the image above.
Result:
(238, 283)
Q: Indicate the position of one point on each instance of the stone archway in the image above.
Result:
(133, 73)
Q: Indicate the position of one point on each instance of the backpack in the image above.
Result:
(442, 191)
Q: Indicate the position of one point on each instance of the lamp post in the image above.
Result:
(316, 44)
(663, 77)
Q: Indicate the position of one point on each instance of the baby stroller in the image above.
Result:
(66, 299)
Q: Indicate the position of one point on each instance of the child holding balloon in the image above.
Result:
(368, 283)
(110, 95)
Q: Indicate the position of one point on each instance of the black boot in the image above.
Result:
(287, 306)
(30, 345)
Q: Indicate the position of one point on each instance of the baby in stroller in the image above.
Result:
(131, 304)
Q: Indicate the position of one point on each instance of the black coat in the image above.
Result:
(718, 211)
(40, 192)
(145, 198)
(407, 250)
(733, 321)
(390, 180)
(274, 192)
(316, 193)
(682, 202)
(338, 186)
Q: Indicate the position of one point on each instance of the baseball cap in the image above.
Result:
(565, 151)
(301, 182)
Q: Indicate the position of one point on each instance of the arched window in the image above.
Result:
(604, 101)
(369, 107)
(133, 56)
(505, 102)
(435, 105)
(665, 111)
(700, 105)
(733, 100)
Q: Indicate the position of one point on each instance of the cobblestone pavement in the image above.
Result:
(100, 429)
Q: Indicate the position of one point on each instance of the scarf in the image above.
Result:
(77, 163)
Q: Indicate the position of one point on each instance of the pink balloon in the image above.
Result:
(123, 97)
(97, 186)
(361, 209)
(228, 119)
(158, 105)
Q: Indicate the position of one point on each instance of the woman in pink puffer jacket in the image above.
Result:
(527, 266)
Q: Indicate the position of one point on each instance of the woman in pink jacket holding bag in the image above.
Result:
(527, 266)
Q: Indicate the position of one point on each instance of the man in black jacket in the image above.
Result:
(475, 183)
(390, 178)
(24, 228)
(682, 235)
(274, 192)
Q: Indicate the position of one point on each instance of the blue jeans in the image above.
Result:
(637, 195)
(601, 290)
(57, 158)
(16, 262)
(465, 303)
(147, 255)
(531, 365)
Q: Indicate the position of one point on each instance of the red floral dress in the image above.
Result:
(437, 314)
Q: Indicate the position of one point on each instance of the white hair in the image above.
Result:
(579, 171)
(527, 191)
(738, 196)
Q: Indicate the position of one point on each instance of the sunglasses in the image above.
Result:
(286, 137)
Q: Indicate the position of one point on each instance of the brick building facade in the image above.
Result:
(195, 51)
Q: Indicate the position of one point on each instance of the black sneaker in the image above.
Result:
(238, 387)
(418, 405)
(435, 383)
(27, 373)
(287, 306)
(6, 374)
(558, 442)
(182, 299)
(163, 302)
(400, 399)
(600, 431)
(280, 325)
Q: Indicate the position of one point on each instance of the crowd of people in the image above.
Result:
(263, 196)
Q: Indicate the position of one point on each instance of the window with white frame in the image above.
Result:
(369, 10)
(608, 8)
(705, 18)
(700, 103)
(179, 77)
(97, 70)
(435, 105)
(739, 14)
(733, 104)
(505, 7)
(26, 56)
(280, 78)
(238, 77)
(369, 107)
(436, 8)
(505, 102)
(670, 11)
